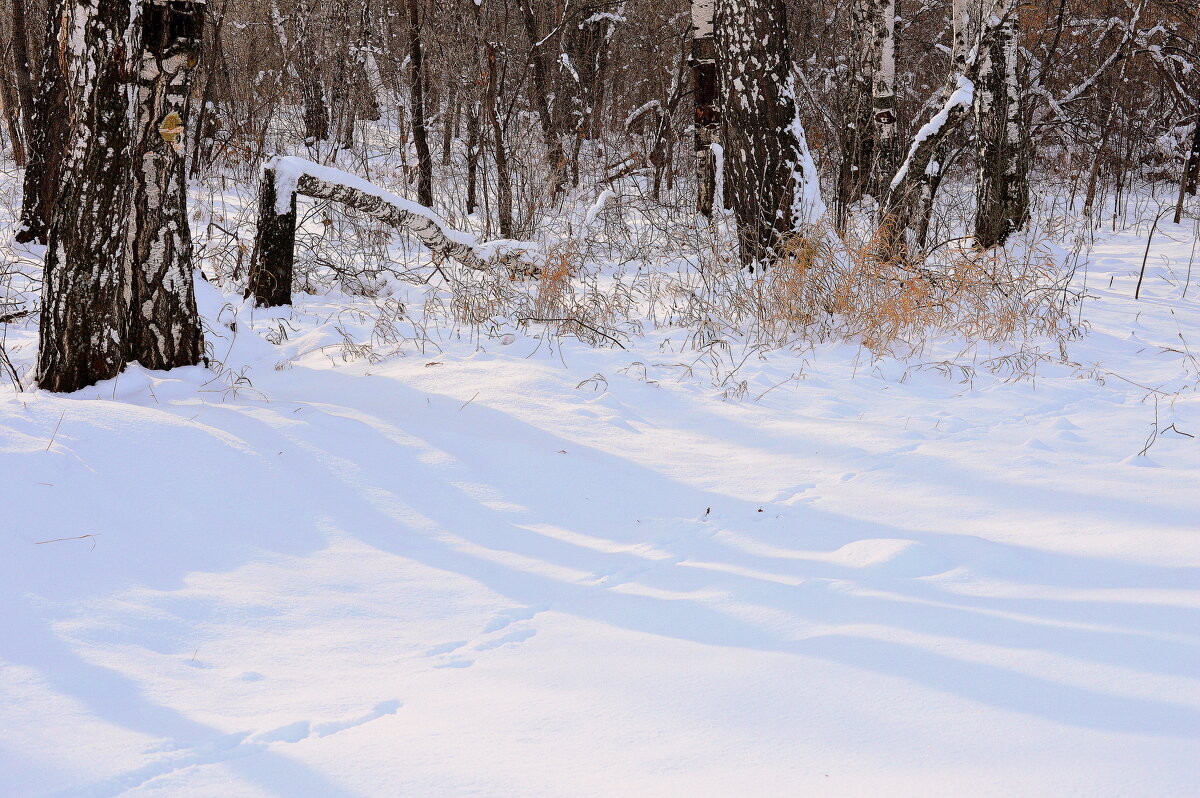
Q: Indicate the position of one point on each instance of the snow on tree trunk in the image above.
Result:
(898, 210)
(885, 147)
(164, 326)
(769, 190)
(931, 178)
(50, 133)
(1002, 187)
(270, 280)
(707, 125)
(283, 178)
(85, 290)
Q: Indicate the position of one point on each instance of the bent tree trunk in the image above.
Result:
(49, 133)
(84, 313)
(164, 326)
(274, 244)
(764, 157)
(898, 211)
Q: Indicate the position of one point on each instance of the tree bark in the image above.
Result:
(504, 199)
(11, 112)
(84, 307)
(764, 157)
(1191, 171)
(931, 178)
(1002, 186)
(316, 110)
(164, 325)
(473, 136)
(50, 133)
(271, 264)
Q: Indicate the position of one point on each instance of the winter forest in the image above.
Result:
(599, 398)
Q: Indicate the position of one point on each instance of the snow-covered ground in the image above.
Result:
(537, 569)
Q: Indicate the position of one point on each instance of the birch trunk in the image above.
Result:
(283, 179)
(885, 147)
(764, 155)
(1002, 187)
(897, 214)
(85, 291)
(708, 113)
(164, 326)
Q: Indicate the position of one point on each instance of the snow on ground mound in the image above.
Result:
(515, 569)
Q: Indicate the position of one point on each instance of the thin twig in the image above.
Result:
(55, 433)
(78, 537)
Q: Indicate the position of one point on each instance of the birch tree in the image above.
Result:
(118, 272)
(164, 327)
(707, 122)
(885, 147)
(768, 174)
(1002, 186)
(85, 301)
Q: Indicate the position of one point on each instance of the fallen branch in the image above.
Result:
(283, 178)
(526, 319)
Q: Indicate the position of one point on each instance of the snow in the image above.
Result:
(962, 96)
(480, 571)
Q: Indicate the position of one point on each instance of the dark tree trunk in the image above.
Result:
(472, 157)
(22, 66)
(50, 133)
(12, 117)
(541, 86)
(1191, 172)
(417, 98)
(707, 125)
(504, 199)
(1002, 188)
(858, 141)
(763, 157)
(164, 326)
(270, 281)
(316, 110)
(84, 310)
